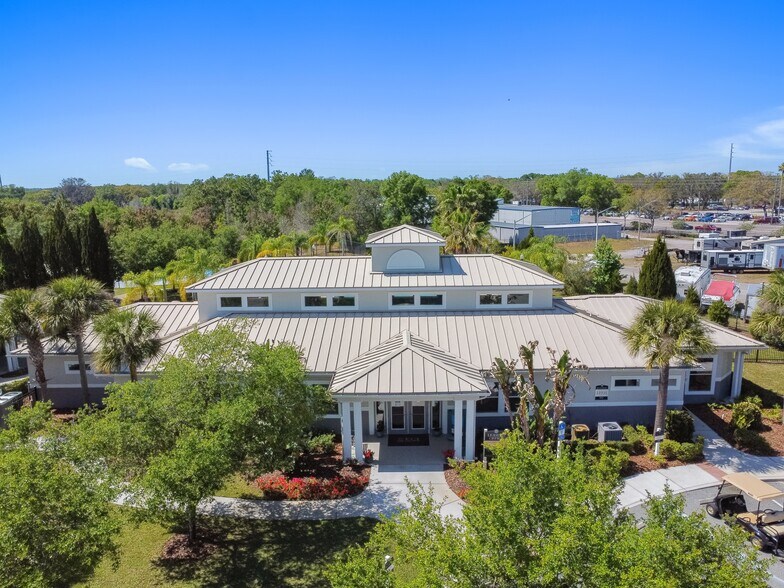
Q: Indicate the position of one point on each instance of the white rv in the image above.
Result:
(734, 261)
(691, 275)
(773, 256)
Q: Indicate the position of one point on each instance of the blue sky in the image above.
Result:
(159, 91)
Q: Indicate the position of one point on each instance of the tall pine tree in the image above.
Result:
(30, 255)
(96, 256)
(9, 265)
(657, 280)
(61, 250)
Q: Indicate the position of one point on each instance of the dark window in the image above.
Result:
(489, 404)
(489, 299)
(398, 418)
(431, 300)
(315, 300)
(231, 302)
(258, 301)
(700, 381)
(344, 301)
(74, 367)
(402, 300)
(627, 383)
(435, 415)
(417, 417)
(518, 298)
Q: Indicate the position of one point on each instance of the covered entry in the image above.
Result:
(410, 387)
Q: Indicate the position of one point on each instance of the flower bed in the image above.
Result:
(316, 476)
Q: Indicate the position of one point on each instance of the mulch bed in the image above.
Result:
(326, 465)
(455, 481)
(639, 464)
(719, 419)
(178, 549)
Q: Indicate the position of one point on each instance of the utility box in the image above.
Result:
(580, 432)
(8, 402)
(609, 431)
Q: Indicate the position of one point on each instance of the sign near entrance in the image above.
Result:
(492, 436)
(561, 430)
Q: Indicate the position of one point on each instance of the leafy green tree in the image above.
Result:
(406, 200)
(145, 286)
(474, 195)
(61, 249)
(191, 265)
(342, 231)
(562, 189)
(607, 268)
(598, 192)
(631, 286)
(664, 331)
(21, 315)
(127, 338)
(68, 305)
(657, 280)
(546, 254)
(30, 255)
(223, 403)
(532, 519)
(719, 313)
(250, 247)
(96, 256)
(578, 277)
(150, 247)
(9, 263)
(464, 232)
(76, 190)
(54, 518)
(692, 297)
(767, 320)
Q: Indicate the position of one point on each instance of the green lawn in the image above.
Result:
(251, 553)
(759, 378)
(238, 487)
(584, 247)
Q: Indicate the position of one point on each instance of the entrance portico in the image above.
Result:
(406, 385)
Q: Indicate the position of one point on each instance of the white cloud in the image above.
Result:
(187, 167)
(139, 163)
(764, 141)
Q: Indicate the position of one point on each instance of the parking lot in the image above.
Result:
(693, 500)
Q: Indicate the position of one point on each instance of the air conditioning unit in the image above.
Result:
(609, 431)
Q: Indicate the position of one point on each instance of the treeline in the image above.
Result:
(183, 232)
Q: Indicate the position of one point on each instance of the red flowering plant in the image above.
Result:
(279, 487)
(448, 454)
(368, 454)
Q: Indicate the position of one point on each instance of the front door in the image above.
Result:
(408, 417)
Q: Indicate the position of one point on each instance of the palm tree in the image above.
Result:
(68, 305)
(126, 338)
(299, 241)
(319, 236)
(145, 286)
(464, 233)
(342, 231)
(192, 265)
(767, 321)
(664, 331)
(250, 247)
(20, 315)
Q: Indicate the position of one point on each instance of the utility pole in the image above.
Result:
(268, 165)
(781, 178)
(732, 150)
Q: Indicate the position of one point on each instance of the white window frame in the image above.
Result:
(616, 387)
(417, 301)
(674, 386)
(257, 308)
(68, 363)
(504, 294)
(329, 305)
(222, 296)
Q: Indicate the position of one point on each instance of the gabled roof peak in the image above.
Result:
(405, 235)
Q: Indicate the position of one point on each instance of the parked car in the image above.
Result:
(766, 220)
(707, 228)
(765, 527)
(743, 217)
(666, 217)
(690, 217)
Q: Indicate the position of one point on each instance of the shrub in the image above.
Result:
(746, 415)
(752, 441)
(669, 449)
(280, 487)
(754, 399)
(323, 443)
(608, 456)
(19, 385)
(689, 452)
(719, 313)
(679, 426)
(639, 436)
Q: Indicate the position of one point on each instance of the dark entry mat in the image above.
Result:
(408, 440)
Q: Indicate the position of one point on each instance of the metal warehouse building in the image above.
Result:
(511, 223)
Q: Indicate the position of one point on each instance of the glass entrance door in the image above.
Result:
(398, 417)
(418, 420)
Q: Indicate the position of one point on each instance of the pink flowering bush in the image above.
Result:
(279, 487)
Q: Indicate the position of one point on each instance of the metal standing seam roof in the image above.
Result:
(355, 273)
(173, 317)
(407, 364)
(332, 340)
(405, 235)
(622, 310)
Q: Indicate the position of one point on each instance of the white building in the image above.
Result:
(406, 337)
(512, 222)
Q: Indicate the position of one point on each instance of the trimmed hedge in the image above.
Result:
(679, 426)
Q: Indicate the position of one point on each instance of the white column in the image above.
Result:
(358, 431)
(458, 429)
(737, 374)
(470, 429)
(345, 428)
